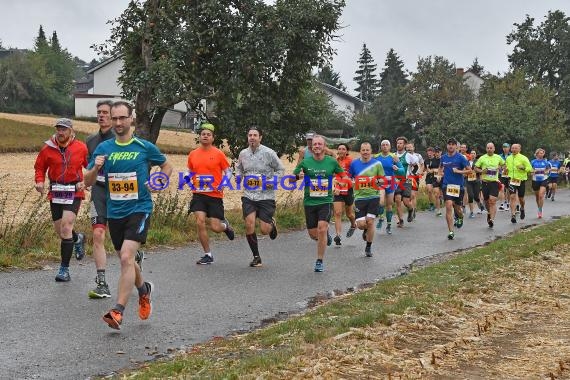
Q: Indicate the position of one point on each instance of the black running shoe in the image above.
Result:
(368, 251)
(337, 240)
(205, 260)
(410, 215)
(522, 214)
(273, 232)
(513, 219)
(329, 239)
(229, 231)
(256, 262)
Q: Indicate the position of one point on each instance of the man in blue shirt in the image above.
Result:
(453, 167)
(124, 162)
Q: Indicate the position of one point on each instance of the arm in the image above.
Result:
(91, 175)
(40, 173)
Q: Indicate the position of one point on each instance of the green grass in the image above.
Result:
(423, 292)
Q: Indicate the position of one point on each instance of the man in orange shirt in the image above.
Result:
(208, 167)
(343, 196)
(63, 157)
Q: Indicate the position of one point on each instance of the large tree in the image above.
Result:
(252, 60)
(366, 76)
(328, 76)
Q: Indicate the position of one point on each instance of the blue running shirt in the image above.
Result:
(448, 163)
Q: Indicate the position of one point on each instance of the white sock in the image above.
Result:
(208, 254)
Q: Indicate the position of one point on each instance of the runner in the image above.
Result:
(63, 157)
(504, 195)
(437, 182)
(345, 197)
(415, 171)
(431, 168)
(124, 162)
(453, 166)
(317, 172)
(98, 209)
(307, 151)
(260, 169)
(403, 191)
(366, 173)
(473, 185)
(517, 168)
(540, 170)
(207, 164)
(489, 165)
(392, 167)
(553, 176)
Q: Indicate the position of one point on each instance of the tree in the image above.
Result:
(393, 75)
(366, 77)
(54, 43)
(328, 76)
(434, 88)
(476, 68)
(41, 43)
(250, 59)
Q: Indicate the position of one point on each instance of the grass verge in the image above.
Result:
(274, 352)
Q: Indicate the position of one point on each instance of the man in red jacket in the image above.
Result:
(63, 157)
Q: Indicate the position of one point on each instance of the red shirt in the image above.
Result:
(345, 164)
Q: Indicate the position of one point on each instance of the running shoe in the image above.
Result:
(548, 193)
(379, 224)
(471, 215)
(139, 257)
(63, 275)
(518, 209)
(337, 240)
(389, 229)
(400, 223)
(368, 251)
(513, 219)
(522, 214)
(100, 291)
(273, 232)
(79, 246)
(507, 207)
(145, 305)
(451, 235)
(256, 262)
(114, 319)
(438, 213)
(490, 223)
(229, 231)
(205, 260)
(502, 207)
(350, 231)
(552, 198)
(319, 266)
(329, 239)
(459, 222)
(410, 215)
(540, 215)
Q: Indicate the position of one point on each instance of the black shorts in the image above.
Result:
(264, 209)
(348, 199)
(430, 179)
(57, 209)
(314, 214)
(404, 189)
(553, 179)
(212, 206)
(98, 209)
(490, 189)
(505, 181)
(366, 207)
(133, 227)
(537, 184)
(456, 200)
(520, 190)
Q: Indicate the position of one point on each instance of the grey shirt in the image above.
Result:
(258, 169)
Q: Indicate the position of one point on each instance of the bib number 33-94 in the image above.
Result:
(123, 186)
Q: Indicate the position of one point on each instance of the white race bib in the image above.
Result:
(319, 188)
(123, 186)
(253, 182)
(62, 194)
(515, 182)
(203, 183)
(453, 190)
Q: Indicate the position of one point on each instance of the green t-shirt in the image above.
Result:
(318, 180)
(513, 162)
(491, 164)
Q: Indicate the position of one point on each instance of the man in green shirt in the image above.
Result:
(368, 175)
(317, 172)
(517, 168)
(489, 165)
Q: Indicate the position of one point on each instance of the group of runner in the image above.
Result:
(118, 166)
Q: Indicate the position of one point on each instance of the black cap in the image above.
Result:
(437, 149)
(452, 141)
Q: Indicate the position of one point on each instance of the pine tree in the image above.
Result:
(54, 42)
(476, 68)
(41, 44)
(328, 76)
(393, 74)
(366, 76)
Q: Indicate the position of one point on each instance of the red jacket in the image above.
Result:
(63, 167)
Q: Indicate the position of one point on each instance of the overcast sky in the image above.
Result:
(457, 30)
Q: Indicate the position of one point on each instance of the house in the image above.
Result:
(344, 103)
(106, 86)
(472, 80)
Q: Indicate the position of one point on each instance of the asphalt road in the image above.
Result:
(52, 330)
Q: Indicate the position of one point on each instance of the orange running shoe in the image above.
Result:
(145, 305)
(114, 319)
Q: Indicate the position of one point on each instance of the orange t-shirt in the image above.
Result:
(345, 164)
(207, 167)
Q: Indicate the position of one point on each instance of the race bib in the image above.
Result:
(363, 182)
(472, 176)
(539, 175)
(515, 182)
(101, 176)
(203, 183)
(453, 190)
(62, 194)
(123, 186)
(253, 182)
(491, 172)
(319, 188)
